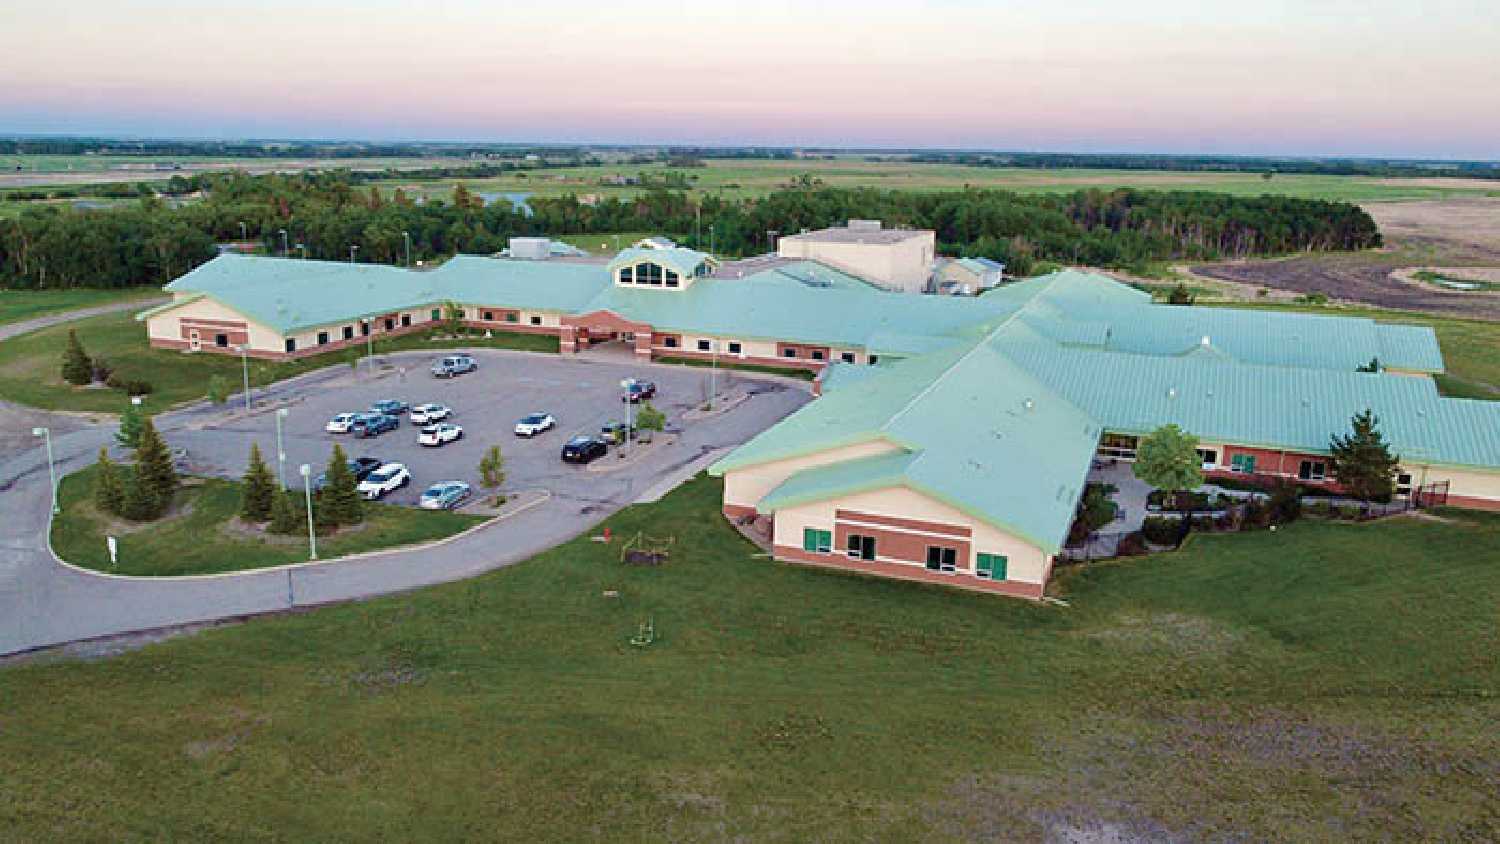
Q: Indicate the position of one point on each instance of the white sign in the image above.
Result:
(114, 549)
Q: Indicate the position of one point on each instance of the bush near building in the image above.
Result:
(77, 369)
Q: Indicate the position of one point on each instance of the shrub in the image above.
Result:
(1132, 545)
(286, 516)
(1255, 515)
(218, 389)
(1180, 295)
(1351, 512)
(1285, 504)
(650, 419)
(109, 488)
(492, 468)
(138, 387)
(102, 370)
(77, 369)
(1159, 530)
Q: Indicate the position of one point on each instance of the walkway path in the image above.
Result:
(43, 602)
(15, 329)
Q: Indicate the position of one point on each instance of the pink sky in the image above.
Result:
(1373, 78)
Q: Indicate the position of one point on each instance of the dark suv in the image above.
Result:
(374, 424)
(638, 391)
(359, 467)
(390, 407)
(583, 450)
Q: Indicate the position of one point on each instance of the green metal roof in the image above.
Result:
(838, 479)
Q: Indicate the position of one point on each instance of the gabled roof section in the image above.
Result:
(176, 302)
(838, 479)
(683, 261)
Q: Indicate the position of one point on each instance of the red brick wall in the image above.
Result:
(1271, 464)
(893, 543)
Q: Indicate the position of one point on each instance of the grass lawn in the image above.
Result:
(192, 540)
(1325, 682)
(30, 364)
(16, 305)
(802, 374)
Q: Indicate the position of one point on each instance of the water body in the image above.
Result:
(518, 201)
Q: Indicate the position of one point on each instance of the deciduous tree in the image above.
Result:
(1167, 459)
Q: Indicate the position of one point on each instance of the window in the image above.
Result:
(861, 547)
(489, 316)
(669, 342)
(322, 338)
(648, 274)
(734, 347)
(817, 354)
(221, 340)
(291, 344)
(406, 320)
(1242, 463)
(817, 541)
(364, 327)
(512, 316)
(671, 279)
(847, 357)
(348, 332)
(1312, 470)
(536, 320)
(1117, 445)
(874, 359)
(436, 314)
(1403, 483)
(389, 324)
(1210, 458)
(940, 558)
(789, 352)
(704, 345)
(460, 314)
(990, 566)
(626, 275)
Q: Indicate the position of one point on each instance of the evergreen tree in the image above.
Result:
(286, 516)
(155, 476)
(1362, 460)
(259, 489)
(109, 489)
(339, 502)
(129, 434)
(1167, 459)
(76, 366)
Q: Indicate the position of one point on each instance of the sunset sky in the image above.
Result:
(1316, 78)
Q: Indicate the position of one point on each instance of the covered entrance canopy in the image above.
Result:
(602, 326)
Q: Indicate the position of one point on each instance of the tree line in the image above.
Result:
(323, 215)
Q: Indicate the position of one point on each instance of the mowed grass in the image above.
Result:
(30, 365)
(197, 537)
(18, 305)
(1326, 682)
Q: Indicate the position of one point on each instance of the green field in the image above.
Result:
(735, 178)
(196, 541)
(30, 364)
(1326, 682)
(16, 305)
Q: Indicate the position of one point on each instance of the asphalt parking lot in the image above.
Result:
(583, 393)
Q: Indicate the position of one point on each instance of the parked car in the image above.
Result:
(390, 407)
(535, 423)
(374, 424)
(614, 432)
(386, 479)
(444, 495)
(360, 467)
(452, 365)
(440, 434)
(638, 391)
(341, 423)
(426, 414)
(583, 450)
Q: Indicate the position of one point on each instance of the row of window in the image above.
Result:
(651, 275)
(940, 558)
(1307, 470)
(435, 315)
(734, 347)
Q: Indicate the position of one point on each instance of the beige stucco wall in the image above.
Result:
(905, 264)
(1026, 562)
(746, 487)
(1470, 483)
(168, 325)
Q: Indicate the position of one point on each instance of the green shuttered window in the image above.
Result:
(991, 566)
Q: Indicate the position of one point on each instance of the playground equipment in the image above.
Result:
(646, 634)
(643, 550)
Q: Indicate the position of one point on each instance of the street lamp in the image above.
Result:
(625, 443)
(46, 435)
(285, 252)
(244, 232)
(281, 413)
(312, 536)
(406, 236)
(710, 238)
(245, 365)
(353, 248)
(370, 344)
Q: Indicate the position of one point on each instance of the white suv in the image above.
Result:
(426, 414)
(341, 423)
(388, 478)
(530, 426)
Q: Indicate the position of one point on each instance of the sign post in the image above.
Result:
(114, 550)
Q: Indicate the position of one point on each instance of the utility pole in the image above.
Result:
(406, 236)
(312, 536)
(46, 435)
(353, 250)
(281, 413)
(285, 252)
(245, 365)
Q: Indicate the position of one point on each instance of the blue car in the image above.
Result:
(390, 407)
(374, 424)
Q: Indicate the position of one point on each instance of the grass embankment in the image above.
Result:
(30, 365)
(1327, 680)
(801, 374)
(17, 305)
(197, 536)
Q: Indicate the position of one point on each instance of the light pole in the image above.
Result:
(625, 443)
(406, 236)
(713, 375)
(285, 252)
(245, 365)
(370, 344)
(710, 238)
(244, 232)
(46, 435)
(312, 536)
(281, 413)
(353, 248)
(303, 247)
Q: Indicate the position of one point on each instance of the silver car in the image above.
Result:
(444, 495)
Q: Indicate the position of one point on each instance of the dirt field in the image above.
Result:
(1451, 233)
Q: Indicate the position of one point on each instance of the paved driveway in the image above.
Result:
(43, 602)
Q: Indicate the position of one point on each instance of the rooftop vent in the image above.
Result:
(864, 225)
(1171, 392)
(1205, 342)
(1029, 404)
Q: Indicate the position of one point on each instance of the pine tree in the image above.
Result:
(286, 516)
(76, 366)
(259, 489)
(109, 489)
(129, 434)
(1362, 460)
(140, 502)
(155, 475)
(339, 503)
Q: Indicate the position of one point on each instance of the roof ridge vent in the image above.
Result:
(1171, 392)
(1029, 404)
(1205, 342)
